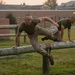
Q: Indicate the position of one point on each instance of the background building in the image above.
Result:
(54, 14)
(66, 6)
(19, 11)
(24, 7)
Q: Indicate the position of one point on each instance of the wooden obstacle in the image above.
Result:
(29, 49)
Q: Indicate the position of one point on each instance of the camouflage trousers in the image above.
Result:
(55, 33)
(41, 31)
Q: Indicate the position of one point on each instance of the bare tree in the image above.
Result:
(51, 3)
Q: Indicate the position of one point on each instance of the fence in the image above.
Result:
(11, 35)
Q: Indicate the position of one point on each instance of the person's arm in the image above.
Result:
(49, 19)
(17, 39)
(19, 31)
(69, 35)
(62, 32)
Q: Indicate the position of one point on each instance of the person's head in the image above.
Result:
(72, 19)
(28, 19)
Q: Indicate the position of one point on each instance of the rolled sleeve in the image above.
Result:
(20, 29)
(36, 21)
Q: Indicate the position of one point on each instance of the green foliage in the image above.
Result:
(51, 3)
(11, 18)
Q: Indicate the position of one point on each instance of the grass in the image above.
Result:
(31, 63)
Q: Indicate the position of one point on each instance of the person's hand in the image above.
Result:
(63, 41)
(56, 24)
(15, 47)
(71, 41)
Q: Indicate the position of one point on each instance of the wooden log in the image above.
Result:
(46, 64)
(62, 45)
(29, 48)
(19, 50)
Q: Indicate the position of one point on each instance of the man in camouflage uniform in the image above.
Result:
(29, 25)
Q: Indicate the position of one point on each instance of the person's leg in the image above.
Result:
(58, 36)
(45, 38)
(36, 46)
(47, 33)
(51, 34)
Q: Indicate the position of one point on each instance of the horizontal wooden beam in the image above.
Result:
(8, 26)
(29, 48)
(61, 45)
(11, 35)
(19, 50)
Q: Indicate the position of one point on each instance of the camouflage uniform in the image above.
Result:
(33, 31)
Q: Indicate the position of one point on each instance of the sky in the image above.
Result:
(33, 2)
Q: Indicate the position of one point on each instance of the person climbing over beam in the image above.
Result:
(30, 26)
(63, 24)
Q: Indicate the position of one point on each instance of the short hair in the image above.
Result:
(27, 15)
(73, 17)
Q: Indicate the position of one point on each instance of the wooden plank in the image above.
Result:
(8, 26)
(11, 35)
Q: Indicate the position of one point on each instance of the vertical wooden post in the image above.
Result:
(24, 38)
(46, 64)
(19, 37)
